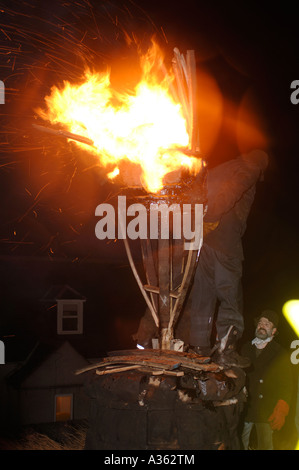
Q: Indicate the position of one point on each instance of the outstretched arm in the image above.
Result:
(228, 182)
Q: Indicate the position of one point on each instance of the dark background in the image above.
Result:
(49, 189)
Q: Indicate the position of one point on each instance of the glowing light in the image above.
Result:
(297, 446)
(291, 313)
(139, 346)
(113, 173)
(145, 127)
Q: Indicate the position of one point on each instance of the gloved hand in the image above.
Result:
(277, 418)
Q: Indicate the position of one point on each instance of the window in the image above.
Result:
(63, 407)
(69, 317)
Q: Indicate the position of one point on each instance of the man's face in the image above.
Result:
(265, 329)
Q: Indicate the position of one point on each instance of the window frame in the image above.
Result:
(79, 316)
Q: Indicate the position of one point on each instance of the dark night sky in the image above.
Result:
(250, 49)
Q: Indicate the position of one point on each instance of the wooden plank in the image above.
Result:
(68, 135)
(192, 99)
(149, 268)
(195, 367)
(133, 361)
(114, 370)
(156, 290)
(183, 289)
(164, 280)
(178, 356)
(178, 68)
(139, 282)
(147, 370)
(172, 362)
(169, 372)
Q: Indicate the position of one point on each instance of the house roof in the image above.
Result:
(35, 358)
(39, 354)
(59, 292)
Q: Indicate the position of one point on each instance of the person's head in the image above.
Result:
(266, 324)
(257, 159)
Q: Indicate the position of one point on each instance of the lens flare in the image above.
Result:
(291, 313)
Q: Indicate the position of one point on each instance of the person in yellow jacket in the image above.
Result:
(269, 383)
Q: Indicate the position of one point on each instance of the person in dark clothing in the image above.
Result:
(269, 383)
(230, 193)
(231, 189)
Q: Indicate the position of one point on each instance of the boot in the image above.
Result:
(226, 354)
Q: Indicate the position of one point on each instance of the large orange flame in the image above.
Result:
(146, 127)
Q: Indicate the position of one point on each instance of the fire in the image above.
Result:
(146, 126)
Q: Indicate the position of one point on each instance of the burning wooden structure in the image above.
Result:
(168, 268)
(162, 398)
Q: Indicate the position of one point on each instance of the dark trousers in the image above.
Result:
(217, 278)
